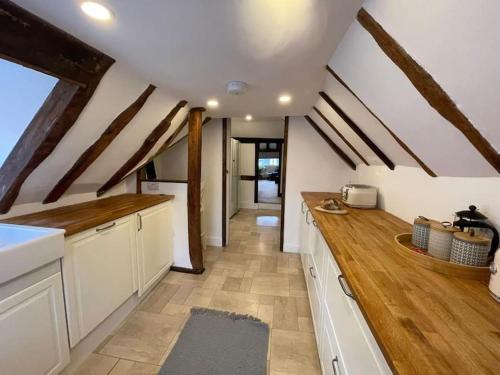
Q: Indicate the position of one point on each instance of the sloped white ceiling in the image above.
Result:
(192, 48)
(117, 90)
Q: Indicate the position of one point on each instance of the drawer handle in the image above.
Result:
(307, 217)
(139, 222)
(344, 287)
(105, 228)
(335, 363)
(311, 272)
(314, 223)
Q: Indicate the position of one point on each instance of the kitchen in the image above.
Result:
(120, 233)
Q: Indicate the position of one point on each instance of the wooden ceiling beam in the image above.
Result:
(403, 145)
(30, 41)
(205, 121)
(98, 147)
(330, 124)
(360, 133)
(146, 146)
(332, 145)
(425, 84)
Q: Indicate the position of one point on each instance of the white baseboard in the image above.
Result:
(214, 241)
(290, 248)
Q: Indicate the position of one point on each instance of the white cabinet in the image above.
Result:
(154, 244)
(33, 335)
(99, 271)
(345, 342)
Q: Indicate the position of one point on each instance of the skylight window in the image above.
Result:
(22, 93)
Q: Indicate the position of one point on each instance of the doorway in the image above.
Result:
(268, 171)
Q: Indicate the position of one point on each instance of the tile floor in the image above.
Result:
(268, 192)
(249, 276)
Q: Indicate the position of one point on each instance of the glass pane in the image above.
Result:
(22, 93)
(273, 146)
(262, 146)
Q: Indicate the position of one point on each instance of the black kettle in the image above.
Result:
(472, 218)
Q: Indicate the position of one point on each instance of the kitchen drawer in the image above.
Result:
(318, 255)
(358, 354)
(331, 361)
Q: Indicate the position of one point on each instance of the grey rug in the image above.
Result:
(219, 343)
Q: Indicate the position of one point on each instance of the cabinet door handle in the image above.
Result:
(105, 228)
(335, 363)
(307, 217)
(139, 222)
(314, 223)
(311, 272)
(344, 287)
(302, 207)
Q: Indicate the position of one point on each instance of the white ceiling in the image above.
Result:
(194, 47)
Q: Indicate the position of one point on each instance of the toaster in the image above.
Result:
(360, 196)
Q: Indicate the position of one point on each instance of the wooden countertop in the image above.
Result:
(424, 322)
(79, 217)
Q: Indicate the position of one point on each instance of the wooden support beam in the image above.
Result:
(360, 133)
(403, 145)
(98, 147)
(224, 172)
(147, 145)
(283, 179)
(429, 88)
(332, 145)
(194, 188)
(205, 121)
(329, 123)
(30, 41)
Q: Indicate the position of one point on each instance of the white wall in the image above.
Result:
(408, 192)
(257, 128)
(246, 193)
(311, 166)
(172, 165)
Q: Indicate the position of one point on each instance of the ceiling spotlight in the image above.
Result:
(283, 99)
(248, 117)
(96, 10)
(212, 103)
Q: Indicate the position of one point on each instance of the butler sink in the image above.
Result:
(24, 248)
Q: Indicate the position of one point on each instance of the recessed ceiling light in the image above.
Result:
(285, 99)
(212, 103)
(96, 10)
(248, 117)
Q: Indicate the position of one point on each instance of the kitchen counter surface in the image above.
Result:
(424, 322)
(79, 217)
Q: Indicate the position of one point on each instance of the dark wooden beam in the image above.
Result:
(30, 41)
(360, 133)
(147, 145)
(205, 121)
(403, 145)
(429, 88)
(194, 187)
(224, 172)
(329, 123)
(332, 145)
(283, 179)
(98, 147)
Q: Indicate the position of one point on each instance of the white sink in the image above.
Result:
(24, 248)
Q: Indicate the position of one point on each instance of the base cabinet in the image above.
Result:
(345, 343)
(154, 245)
(33, 335)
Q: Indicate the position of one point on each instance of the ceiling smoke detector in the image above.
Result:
(236, 87)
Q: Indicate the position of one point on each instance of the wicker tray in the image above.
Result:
(434, 264)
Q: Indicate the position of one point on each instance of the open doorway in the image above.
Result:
(268, 171)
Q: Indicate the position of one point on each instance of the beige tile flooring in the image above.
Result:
(249, 276)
